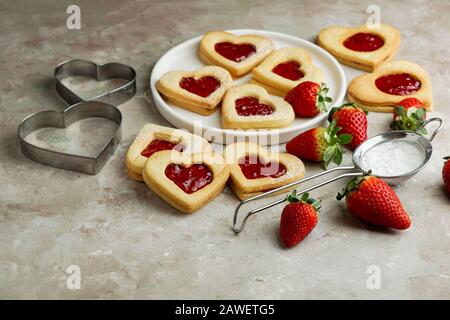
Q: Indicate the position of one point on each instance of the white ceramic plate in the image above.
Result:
(184, 57)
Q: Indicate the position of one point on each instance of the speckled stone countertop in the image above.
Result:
(127, 242)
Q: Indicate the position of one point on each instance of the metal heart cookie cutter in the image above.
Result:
(101, 106)
(112, 70)
(412, 139)
(63, 119)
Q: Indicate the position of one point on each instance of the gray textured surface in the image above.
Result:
(129, 243)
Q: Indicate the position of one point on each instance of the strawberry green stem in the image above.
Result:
(352, 185)
(293, 198)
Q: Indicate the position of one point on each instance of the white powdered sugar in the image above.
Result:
(393, 158)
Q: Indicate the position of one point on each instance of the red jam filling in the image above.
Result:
(235, 52)
(190, 179)
(364, 42)
(202, 87)
(159, 145)
(249, 106)
(254, 168)
(400, 84)
(289, 70)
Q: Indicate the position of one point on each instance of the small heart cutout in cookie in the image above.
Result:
(362, 47)
(388, 84)
(199, 91)
(253, 167)
(249, 106)
(189, 179)
(153, 138)
(237, 54)
(186, 181)
(202, 87)
(289, 70)
(160, 145)
(399, 84)
(256, 169)
(363, 42)
(284, 69)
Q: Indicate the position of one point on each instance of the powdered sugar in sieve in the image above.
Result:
(393, 158)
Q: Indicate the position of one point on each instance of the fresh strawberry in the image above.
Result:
(320, 144)
(372, 200)
(409, 115)
(352, 120)
(298, 219)
(446, 173)
(308, 99)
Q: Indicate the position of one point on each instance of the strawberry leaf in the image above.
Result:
(409, 119)
(322, 99)
(399, 111)
(328, 154)
(304, 198)
(338, 157)
(332, 154)
(345, 138)
(352, 185)
(293, 198)
(317, 204)
(420, 114)
(334, 151)
(332, 125)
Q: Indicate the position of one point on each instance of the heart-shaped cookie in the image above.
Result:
(186, 181)
(362, 47)
(256, 169)
(284, 69)
(388, 84)
(237, 54)
(249, 106)
(153, 138)
(199, 91)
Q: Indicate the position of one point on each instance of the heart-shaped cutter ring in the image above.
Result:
(112, 70)
(62, 119)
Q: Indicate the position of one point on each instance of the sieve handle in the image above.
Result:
(238, 228)
(441, 124)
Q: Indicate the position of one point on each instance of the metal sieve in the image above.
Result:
(422, 143)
